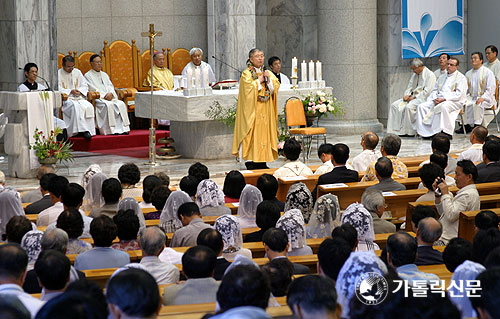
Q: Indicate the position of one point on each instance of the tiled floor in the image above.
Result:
(177, 168)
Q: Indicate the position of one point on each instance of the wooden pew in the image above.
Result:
(440, 271)
(284, 184)
(466, 223)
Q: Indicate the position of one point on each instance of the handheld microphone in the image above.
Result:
(38, 76)
(230, 66)
(264, 69)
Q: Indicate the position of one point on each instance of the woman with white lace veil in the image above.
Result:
(10, 206)
(250, 198)
(87, 175)
(131, 203)
(32, 244)
(229, 227)
(210, 199)
(361, 219)
(292, 222)
(93, 191)
(358, 263)
(324, 217)
(169, 221)
(299, 197)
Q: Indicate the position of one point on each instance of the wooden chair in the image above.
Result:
(295, 116)
(178, 60)
(142, 64)
(492, 109)
(84, 61)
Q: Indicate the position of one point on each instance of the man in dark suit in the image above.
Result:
(213, 239)
(383, 170)
(276, 245)
(428, 231)
(45, 202)
(340, 173)
(490, 171)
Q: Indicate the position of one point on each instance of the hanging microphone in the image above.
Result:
(232, 67)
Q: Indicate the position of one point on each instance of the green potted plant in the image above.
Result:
(49, 150)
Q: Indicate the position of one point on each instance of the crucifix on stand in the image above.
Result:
(151, 34)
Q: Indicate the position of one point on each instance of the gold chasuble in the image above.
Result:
(162, 78)
(256, 119)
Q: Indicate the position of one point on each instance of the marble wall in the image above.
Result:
(27, 35)
(393, 73)
(83, 25)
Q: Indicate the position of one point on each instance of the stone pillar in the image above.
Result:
(347, 46)
(27, 34)
(231, 35)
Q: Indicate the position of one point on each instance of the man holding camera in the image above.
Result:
(466, 199)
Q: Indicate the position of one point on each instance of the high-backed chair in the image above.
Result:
(143, 64)
(178, 60)
(295, 117)
(84, 61)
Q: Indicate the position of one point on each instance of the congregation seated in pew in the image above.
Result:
(292, 222)
(229, 227)
(429, 231)
(210, 199)
(490, 170)
(294, 167)
(127, 228)
(276, 246)
(213, 239)
(383, 171)
(441, 143)
(71, 221)
(233, 185)
(374, 202)
(268, 186)
(475, 152)
(149, 183)
(111, 192)
(159, 196)
(192, 225)
(391, 144)
(325, 154)
(129, 175)
(369, 142)
(250, 198)
(45, 201)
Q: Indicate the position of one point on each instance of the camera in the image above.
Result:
(437, 191)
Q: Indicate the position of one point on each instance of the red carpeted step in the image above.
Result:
(136, 138)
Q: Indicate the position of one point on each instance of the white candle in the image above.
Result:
(189, 78)
(311, 70)
(197, 78)
(303, 70)
(319, 75)
(205, 77)
(294, 67)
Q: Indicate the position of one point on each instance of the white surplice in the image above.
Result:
(401, 119)
(203, 65)
(432, 119)
(482, 84)
(494, 67)
(78, 113)
(112, 116)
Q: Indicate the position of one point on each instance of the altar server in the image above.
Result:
(78, 113)
(493, 64)
(481, 94)
(112, 115)
(274, 63)
(443, 64)
(401, 119)
(162, 76)
(195, 64)
(441, 109)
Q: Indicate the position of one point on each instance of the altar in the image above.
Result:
(195, 135)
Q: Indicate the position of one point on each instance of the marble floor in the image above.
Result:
(178, 168)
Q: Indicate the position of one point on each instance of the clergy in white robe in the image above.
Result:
(112, 114)
(190, 70)
(481, 94)
(492, 62)
(78, 113)
(443, 64)
(274, 63)
(402, 112)
(441, 109)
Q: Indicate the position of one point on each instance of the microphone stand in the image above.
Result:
(228, 65)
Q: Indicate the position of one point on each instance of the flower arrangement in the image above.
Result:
(224, 115)
(321, 104)
(49, 148)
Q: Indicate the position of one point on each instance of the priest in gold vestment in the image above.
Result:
(162, 77)
(255, 131)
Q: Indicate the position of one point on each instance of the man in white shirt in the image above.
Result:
(197, 64)
(402, 112)
(441, 109)
(466, 199)
(443, 63)
(492, 62)
(274, 63)
(475, 152)
(481, 93)
(13, 264)
(78, 113)
(152, 243)
(56, 188)
(295, 167)
(369, 142)
(112, 114)
(325, 155)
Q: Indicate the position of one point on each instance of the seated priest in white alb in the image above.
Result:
(443, 64)
(441, 109)
(274, 63)
(31, 74)
(481, 94)
(112, 115)
(493, 64)
(195, 64)
(78, 113)
(162, 77)
(401, 119)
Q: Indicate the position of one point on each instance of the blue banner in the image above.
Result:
(431, 27)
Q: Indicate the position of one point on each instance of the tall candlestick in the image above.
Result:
(205, 77)
(319, 75)
(311, 70)
(294, 67)
(197, 78)
(303, 70)
(189, 78)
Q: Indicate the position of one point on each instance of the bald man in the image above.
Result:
(475, 152)
(429, 230)
(369, 142)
